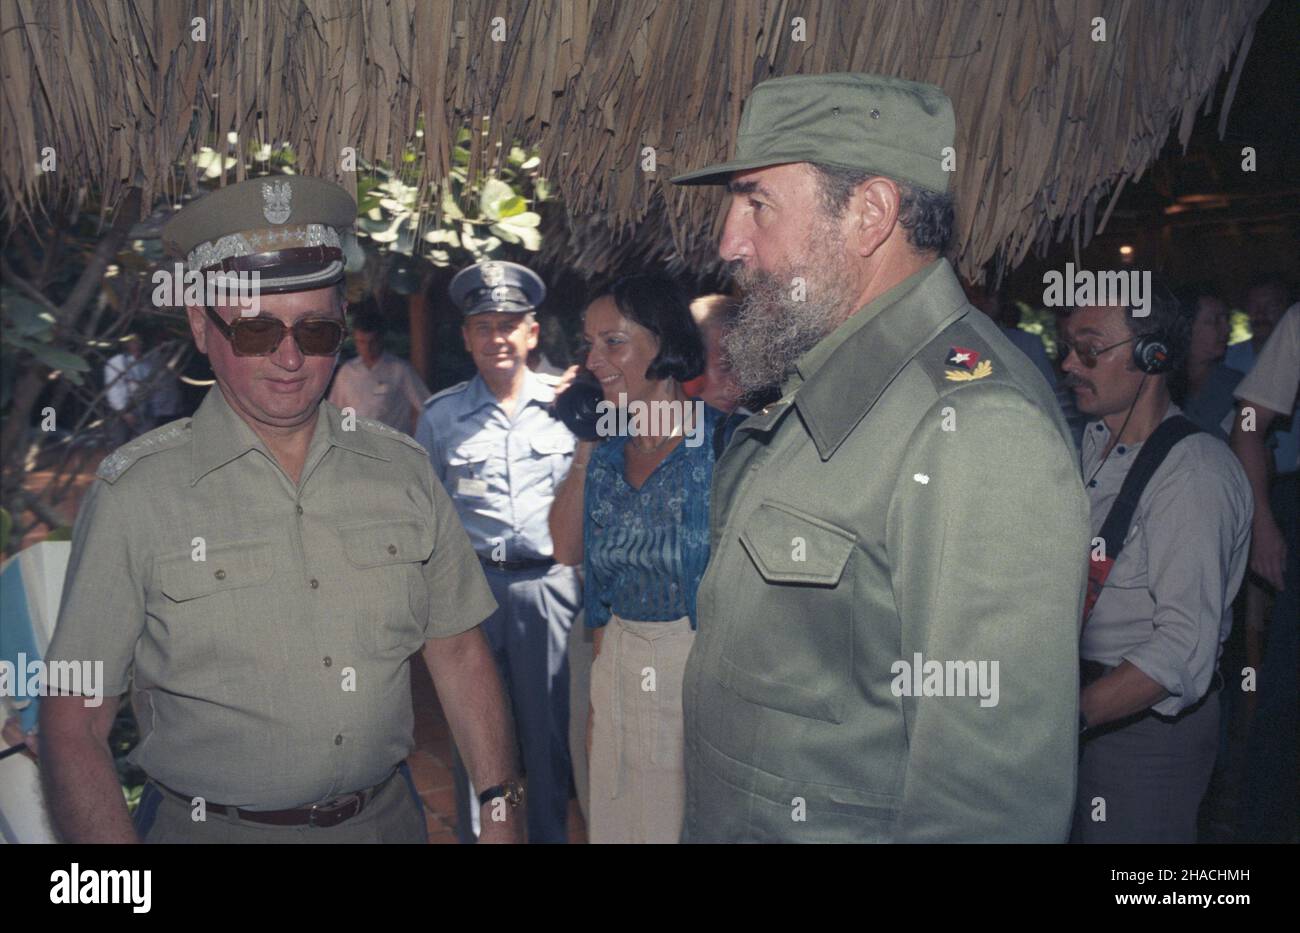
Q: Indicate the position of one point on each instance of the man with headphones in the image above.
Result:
(1171, 513)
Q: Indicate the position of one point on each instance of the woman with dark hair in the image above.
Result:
(644, 545)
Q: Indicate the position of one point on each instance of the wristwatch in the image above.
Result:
(512, 791)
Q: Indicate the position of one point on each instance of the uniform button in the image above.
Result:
(1092, 484)
(328, 660)
(315, 584)
(299, 510)
(392, 549)
(1119, 449)
(338, 740)
(220, 575)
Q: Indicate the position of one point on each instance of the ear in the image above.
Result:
(872, 215)
(534, 331)
(198, 327)
(464, 333)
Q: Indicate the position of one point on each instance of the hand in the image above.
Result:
(1268, 552)
(509, 831)
(12, 734)
(566, 379)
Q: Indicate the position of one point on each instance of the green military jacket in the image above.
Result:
(913, 498)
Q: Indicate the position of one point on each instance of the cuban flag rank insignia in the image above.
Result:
(960, 356)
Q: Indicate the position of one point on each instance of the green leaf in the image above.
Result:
(6, 526)
(55, 358)
(495, 193)
(531, 164)
(511, 206)
(526, 233)
(450, 209)
(517, 156)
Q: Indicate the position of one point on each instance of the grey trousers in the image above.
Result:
(1148, 776)
(529, 637)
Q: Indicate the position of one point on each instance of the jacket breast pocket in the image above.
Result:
(387, 583)
(789, 637)
(210, 608)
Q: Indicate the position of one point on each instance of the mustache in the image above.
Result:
(1071, 381)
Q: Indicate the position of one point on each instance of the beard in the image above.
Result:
(772, 328)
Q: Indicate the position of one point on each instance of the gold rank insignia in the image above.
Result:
(962, 375)
(965, 367)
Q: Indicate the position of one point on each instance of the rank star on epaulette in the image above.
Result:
(960, 356)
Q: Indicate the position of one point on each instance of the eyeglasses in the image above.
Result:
(261, 336)
(1088, 356)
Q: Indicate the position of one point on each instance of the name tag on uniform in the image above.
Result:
(472, 488)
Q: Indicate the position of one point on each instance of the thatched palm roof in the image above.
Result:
(1050, 122)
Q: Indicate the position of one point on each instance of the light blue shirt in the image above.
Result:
(1241, 357)
(501, 471)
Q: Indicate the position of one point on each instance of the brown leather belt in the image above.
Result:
(321, 815)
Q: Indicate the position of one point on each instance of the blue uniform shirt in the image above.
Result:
(501, 471)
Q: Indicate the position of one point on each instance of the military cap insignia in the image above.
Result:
(493, 275)
(276, 196)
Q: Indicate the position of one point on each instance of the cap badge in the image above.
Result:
(276, 196)
(500, 293)
(493, 275)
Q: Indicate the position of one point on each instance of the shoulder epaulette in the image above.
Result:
(119, 461)
(450, 390)
(378, 427)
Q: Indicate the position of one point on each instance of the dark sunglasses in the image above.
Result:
(1088, 356)
(261, 336)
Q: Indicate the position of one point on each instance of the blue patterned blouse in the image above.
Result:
(645, 550)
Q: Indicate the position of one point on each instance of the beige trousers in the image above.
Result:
(638, 777)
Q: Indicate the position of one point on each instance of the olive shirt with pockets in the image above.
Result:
(268, 627)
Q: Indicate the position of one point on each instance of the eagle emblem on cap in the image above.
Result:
(276, 196)
(493, 275)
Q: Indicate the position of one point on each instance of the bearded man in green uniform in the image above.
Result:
(889, 623)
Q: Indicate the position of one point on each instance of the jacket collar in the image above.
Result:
(845, 374)
(221, 436)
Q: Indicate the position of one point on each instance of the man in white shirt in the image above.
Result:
(1151, 643)
(1268, 394)
(124, 375)
(375, 383)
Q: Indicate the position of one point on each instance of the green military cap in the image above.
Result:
(886, 126)
(287, 228)
(505, 287)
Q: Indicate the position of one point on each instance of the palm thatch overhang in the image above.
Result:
(1051, 121)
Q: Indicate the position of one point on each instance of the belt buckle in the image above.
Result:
(329, 811)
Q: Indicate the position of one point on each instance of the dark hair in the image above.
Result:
(1166, 319)
(662, 307)
(927, 216)
(368, 319)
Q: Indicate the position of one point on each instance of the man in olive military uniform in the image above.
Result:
(501, 453)
(260, 574)
(889, 621)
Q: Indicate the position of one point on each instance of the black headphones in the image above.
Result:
(1151, 354)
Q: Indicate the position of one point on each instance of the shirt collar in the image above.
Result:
(222, 436)
(478, 394)
(1097, 434)
(841, 378)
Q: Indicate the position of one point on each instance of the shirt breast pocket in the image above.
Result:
(466, 469)
(789, 639)
(387, 586)
(205, 605)
(553, 452)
